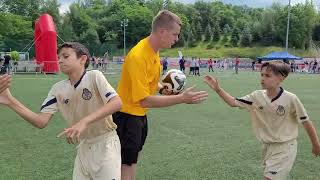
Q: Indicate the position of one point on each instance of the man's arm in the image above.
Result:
(39, 120)
(312, 133)
(188, 96)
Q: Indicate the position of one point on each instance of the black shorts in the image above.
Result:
(132, 131)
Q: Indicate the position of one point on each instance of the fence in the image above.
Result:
(26, 67)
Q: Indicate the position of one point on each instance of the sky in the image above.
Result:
(64, 4)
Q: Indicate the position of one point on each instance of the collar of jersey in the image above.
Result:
(77, 84)
(279, 94)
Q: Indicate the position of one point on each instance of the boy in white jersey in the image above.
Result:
(276, 114)
(86, 100)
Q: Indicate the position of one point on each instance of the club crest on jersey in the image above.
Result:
(280, 110)
(86, 94)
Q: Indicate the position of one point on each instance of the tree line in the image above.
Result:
(97, 23)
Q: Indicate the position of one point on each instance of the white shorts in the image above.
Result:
(278, 159)
(98, 158)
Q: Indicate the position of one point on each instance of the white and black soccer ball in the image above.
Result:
(174, 80)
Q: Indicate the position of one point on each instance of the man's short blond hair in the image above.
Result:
(165, 19)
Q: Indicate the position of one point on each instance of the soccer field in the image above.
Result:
(196, 142)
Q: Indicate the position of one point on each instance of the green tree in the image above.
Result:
(91, 40)
(79, 20)
(226, 32)
(15, 55)
(246, 37)
(67, 33)
(235, 37)
(191, 41)
(208, 33)
(16, 31)
(226, 29)
(216, 32)
(199, 32)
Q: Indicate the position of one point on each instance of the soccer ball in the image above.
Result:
(174, 80)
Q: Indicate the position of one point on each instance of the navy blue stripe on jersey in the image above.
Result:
(77, 84)
(244, 101)
(279, 94)
(109, 94)
(303, 117)
(52, 101)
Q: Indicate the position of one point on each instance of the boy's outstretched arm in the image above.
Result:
(213, 83)
(312, 133)
(39, 120)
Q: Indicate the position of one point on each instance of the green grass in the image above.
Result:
(208, 141)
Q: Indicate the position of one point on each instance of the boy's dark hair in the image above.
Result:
(277, 68)
(80, 50)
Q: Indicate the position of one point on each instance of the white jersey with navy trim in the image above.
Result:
(89, 94)
(277, 119)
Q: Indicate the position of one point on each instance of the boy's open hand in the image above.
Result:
(316, 150)
(73, 133)
(212, 82)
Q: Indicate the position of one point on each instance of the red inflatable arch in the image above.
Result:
(46, 44)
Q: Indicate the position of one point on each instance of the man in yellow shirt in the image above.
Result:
(138, 86)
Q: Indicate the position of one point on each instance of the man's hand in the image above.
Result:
(194, 97)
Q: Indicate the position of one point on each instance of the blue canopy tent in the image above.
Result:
(285, 56)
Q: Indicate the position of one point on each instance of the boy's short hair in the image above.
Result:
(80, 50)
(277, 67)
(165, 19)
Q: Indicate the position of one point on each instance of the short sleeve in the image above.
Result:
(245, 102)
(137, 69)
(106, 91)
(50, 105)
(299, 110)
